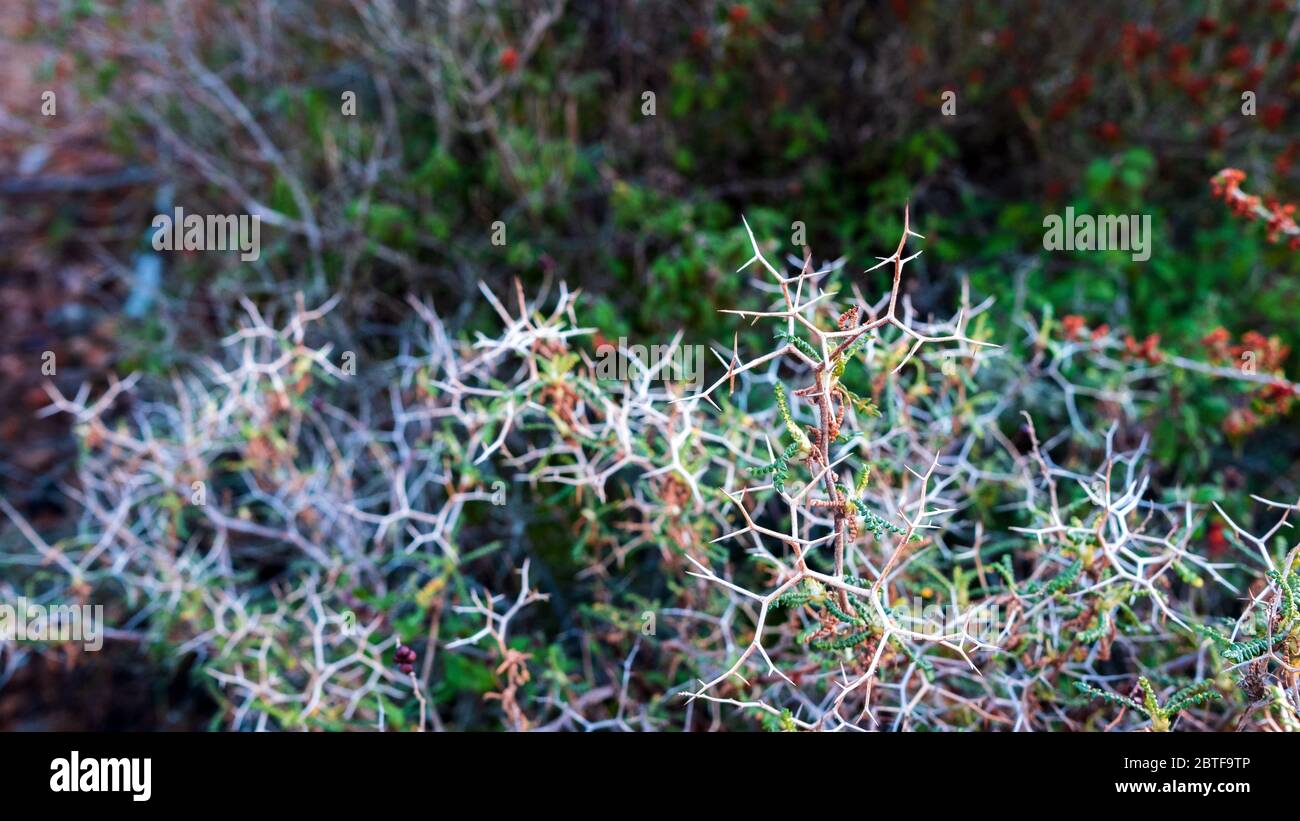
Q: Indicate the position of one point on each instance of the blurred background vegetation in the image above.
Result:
(534, 114)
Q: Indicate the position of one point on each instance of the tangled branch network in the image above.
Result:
(857, 527)
(836, 553)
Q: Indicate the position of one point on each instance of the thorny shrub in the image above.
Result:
(883, 521)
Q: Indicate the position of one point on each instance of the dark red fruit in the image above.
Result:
(405, 658)
(1273, 115)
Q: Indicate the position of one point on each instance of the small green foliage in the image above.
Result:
(878, 526)
(792, 427)
(923, 663)
(799, 449)
(838, 613)
(1193, 695)
(783, 723)
(807, 591)
(843, 642)
(1005, 570)
(846, 356)
(1105, 695)
(1063, 580)
(1243, 651)
(863, 405)
(1188, 575)
(864, 476)
(802, 344)
(1093, 634)
(1161, 716)
(1287, 608)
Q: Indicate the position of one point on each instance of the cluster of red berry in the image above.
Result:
(1265, 354)
(1239, 65)
(1074, 96)
(1238, 58)
(1147, 350)
(405, 658)
(1136, 43)
(1260, 355)
(1072, 325)
(739, 18)
(1279, 217)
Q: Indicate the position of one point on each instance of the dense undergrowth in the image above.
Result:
(1066, 508)
(922, 558)
(539, 123)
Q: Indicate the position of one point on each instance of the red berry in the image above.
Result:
(404, 656)
(1282, 165)
(1148, 40)
(1218, 542)
(1196, 87)
(509, 59)
(1272, 116)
